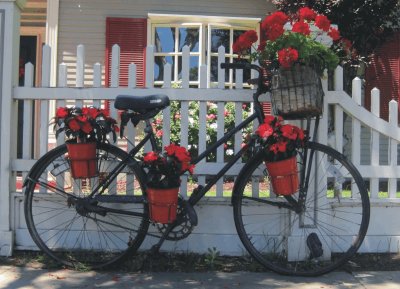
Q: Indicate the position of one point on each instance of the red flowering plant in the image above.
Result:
(305, 37)
(86, 124)
(279, 140)
(165, 168)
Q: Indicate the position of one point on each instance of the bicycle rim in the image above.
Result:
(69, 234)
(324, 236)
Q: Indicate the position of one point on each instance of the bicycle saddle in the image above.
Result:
(141, 104)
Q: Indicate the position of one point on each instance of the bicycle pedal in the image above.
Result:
(314, 245)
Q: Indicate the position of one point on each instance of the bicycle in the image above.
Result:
(104, 220)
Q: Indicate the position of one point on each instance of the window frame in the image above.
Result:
(205, 24)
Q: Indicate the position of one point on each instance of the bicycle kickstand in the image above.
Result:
(156, 247)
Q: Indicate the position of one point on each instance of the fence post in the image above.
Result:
(9, 58)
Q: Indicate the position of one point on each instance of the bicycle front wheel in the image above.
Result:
(315, 239)
(81, 231)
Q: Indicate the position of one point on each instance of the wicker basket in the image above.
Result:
(297, 92)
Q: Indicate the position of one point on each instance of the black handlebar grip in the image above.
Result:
(235, 65)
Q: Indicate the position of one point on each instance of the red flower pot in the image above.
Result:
(284, 176)
(82, 157)
(162, 204)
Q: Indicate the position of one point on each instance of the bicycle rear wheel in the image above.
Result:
(78, 231)
(323, 236)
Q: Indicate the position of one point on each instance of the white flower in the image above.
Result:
(288, 26)
(229, 152)
(214, 126)
(191, 120)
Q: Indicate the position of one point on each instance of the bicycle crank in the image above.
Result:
(185, 222)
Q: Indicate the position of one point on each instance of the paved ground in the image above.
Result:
(29, 278)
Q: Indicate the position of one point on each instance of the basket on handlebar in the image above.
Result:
(296, 92)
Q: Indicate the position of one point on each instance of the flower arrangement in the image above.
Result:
(83, 125)
(279, 140)
(306, 37)
(165, 169)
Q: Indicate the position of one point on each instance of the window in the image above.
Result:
(204, 35)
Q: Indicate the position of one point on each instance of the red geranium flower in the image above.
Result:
(301, 27)
(87, 127)
(150, 157)
(73, 124)
(245, 41)
(334, 34)
(322, 22)
(288, 131)
(306, 13)
(62, 112)
(280, 141)
(273, 32)
(277, 17)
(287, 56)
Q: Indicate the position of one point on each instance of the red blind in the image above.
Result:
(267, 107)
(130, 35)
(384, 73)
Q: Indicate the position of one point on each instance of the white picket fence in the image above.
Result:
(343, 115)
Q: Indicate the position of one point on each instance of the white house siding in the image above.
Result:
(84, 21)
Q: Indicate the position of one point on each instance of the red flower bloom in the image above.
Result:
(73, 124)
(273, 32)
(278, 17)
(264, 130)
(188, 167)
(307, 14)
(81, 118)
(322, 22)
(269, 119)
(288, 131)
(301, 27)
(170, 149)
(87, 127)
(300, 133)
(92, 112)
(62, 112)
(150, 157)
(245, 41)
(334, 34)
(287, 56)
(250, 36)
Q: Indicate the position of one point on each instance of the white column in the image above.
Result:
(52, 36)
(52, 41)
(9, 60)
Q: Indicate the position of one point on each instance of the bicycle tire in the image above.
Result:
(68, 234)
(277, 236)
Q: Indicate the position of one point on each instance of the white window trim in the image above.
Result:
(202, 21)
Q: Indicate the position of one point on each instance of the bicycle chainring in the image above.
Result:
(186, 225)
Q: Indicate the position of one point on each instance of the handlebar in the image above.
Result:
(241, 65)
(263, 79)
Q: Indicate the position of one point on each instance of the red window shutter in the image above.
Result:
(267, 106)
(131, 36)
(384, 74)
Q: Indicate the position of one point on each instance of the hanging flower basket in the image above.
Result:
(284, 176)
(296, 92)
(82, 157)
(162, 204)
